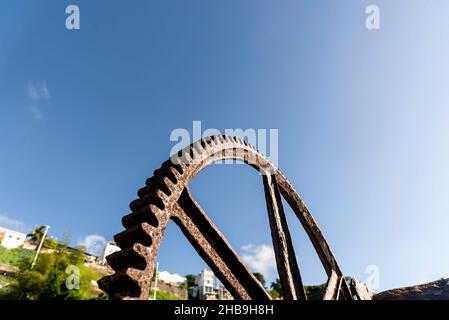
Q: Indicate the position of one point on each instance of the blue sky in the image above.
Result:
(363, 119)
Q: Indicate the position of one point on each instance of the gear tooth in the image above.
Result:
(157, 173)
(208, 142)
(161, 195)
(136, 204)
(141, 233)
(142, 192)
(203, 144)
(120, 285)
(135, 274)
(172, 174)
(214, 139)
(212, 144)
(194, 152)
(135, 256)
(186, 157)
(186, 153)
(181, 164)
(170, 185)
(166, 164)
(197, 146)
(150, 181)
(164, 187)
(146, 214)
(176, 160)
(158, 213)
(175, 173)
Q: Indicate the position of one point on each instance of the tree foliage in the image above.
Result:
(14, 257)
(47, 280)
(36, 235)
(312, 292)
(259, 276)
(276, 289)
(190, 280)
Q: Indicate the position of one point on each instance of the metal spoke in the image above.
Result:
(285, 258)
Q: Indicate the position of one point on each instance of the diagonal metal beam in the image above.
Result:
(287, 265)
(332, 287)
(215, 249)
(313, 231)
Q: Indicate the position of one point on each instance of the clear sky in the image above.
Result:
(363, 119)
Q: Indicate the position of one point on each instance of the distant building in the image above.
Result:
(223, 293)
(11, 239)
(207, 288)
(109, 248)
(205, 283)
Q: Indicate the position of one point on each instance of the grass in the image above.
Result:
(160, 295)
(4, 280)
(14, 257)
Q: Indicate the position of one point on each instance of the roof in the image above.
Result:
(12, 231)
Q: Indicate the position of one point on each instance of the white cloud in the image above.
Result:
(171, 278)
(38, 91)
(11, 224)
(259, 258)
(36, 112)
(94, 244)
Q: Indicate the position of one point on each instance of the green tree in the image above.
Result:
(259, 276)
(36, 235)
(276, 288)
(47, 280)
(190, 280)
(315, 292)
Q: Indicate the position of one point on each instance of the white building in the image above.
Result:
(11, 239)
(205, 282)
(223, 293)
(208, 288)
(109, 248)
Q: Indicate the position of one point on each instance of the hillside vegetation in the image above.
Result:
(60, 275)
(14, 257)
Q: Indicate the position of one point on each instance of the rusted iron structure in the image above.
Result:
(167, 196)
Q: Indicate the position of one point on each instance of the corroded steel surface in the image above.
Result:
(166, 196)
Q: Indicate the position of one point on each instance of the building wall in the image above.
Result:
(110, 248)
(208, 289)
(12, 239)
(206, 284)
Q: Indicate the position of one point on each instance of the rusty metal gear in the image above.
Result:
(166, 196)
